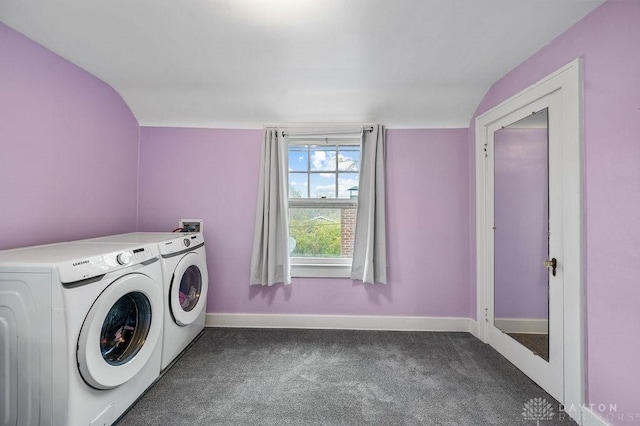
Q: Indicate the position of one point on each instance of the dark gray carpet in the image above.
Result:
(337, 377)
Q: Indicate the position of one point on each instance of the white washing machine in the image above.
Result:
(186, 283)
(80, 331)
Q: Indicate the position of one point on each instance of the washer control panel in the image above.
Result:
(97, 264)
(183, 241)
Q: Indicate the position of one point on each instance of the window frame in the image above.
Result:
(323, 267)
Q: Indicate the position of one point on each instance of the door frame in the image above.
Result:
(568, 81)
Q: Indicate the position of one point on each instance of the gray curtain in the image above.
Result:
(270, 257)
(370, 246)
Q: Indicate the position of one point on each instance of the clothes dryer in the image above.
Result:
(186, 282)
(81, 331)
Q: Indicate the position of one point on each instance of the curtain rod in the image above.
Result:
(330, 132)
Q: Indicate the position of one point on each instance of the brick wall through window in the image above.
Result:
(348, 230)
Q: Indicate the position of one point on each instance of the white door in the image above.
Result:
(516, 251)
(524, 200)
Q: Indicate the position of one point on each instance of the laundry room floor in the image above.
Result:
(340, 377)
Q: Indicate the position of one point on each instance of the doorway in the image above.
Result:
(530, 236)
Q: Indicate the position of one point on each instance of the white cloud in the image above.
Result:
(344, 185)
(323, 190)
(323, 160)
(347, 164)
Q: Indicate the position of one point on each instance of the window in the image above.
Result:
(314, 178)
(323, 197)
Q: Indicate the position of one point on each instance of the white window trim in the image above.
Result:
(323, 203)
(322, 267)
(327, 140)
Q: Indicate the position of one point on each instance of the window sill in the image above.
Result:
(320, 268)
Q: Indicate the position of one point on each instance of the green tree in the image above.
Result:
(316, 231)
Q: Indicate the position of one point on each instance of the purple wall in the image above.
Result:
(68, 170)
(213, 175)
(521, 219)
(68, 159)
(607, 40)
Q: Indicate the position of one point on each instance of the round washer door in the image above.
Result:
(120, 332)
(188, 292)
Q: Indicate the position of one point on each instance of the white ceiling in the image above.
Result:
(242, 63)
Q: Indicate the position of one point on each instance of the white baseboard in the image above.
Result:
(342, 322)
(473, 327)
(589, 418)
(522, 325)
